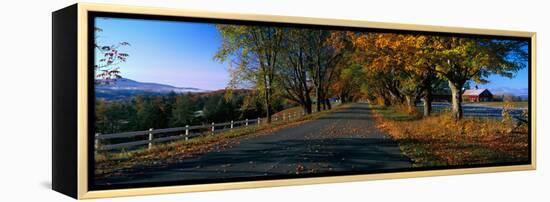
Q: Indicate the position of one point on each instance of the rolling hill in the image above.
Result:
(124, 88)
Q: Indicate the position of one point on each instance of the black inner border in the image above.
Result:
(91, 97)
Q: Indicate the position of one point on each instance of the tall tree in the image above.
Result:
(150, 113)
(324, 57)
(294, 75)
(419, 70)
(383, 63)
(114, 116)
(349, 81)
(253, 52)
(461, 59)
(218, 109)
(182, 112)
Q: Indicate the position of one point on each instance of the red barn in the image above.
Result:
(478, 95)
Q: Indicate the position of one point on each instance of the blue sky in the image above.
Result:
(519, 81)
(180, 54)
(517, 85)
(173, 53)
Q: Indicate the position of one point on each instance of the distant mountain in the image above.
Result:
(123, 88)
(520, 92)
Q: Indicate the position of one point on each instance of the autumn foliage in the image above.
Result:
(441, 141)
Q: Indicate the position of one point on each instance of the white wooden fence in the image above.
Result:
(187, 132)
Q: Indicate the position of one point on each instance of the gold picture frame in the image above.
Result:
(78, 187)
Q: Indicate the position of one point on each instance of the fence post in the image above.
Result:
(259, 120)
(231, 124)
(150, 138)
(186, 132)
(213, 127)
(96, 143)
(289, 116)
(276, 118)
(246, 122)
(283, 116)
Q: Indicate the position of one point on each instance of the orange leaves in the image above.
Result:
(388, 51)
(338, 40)
(468, 141)
(361, 41)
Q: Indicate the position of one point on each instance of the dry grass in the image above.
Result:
(289, 110)
(438, 140)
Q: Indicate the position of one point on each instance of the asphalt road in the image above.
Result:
(344, 140)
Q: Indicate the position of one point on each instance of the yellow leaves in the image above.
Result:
(360, 41)
(455, 143)
(382, 41)
(389, 52)
(337, 40)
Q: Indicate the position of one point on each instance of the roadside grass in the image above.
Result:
(298, 110)
(394, 114)
(440, 141)
(115, 163)
(291, 110)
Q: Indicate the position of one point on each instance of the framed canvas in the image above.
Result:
(157, 100)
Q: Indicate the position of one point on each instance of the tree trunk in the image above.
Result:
(318, 94)
(328, 104)
(267, 99)
(411, 105)
(456, 98)
(427, 84)
(385, 100)
(268, 106)
(427, 101)
(308, 105)
(324, 100)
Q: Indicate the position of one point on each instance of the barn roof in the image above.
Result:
(473, 92)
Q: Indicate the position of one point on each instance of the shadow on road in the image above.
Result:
(345, 140)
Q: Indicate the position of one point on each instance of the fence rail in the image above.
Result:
(478, 111)
(187, 132)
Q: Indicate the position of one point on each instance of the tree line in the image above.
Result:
(177, 110)
(309, 66)
(282, 66)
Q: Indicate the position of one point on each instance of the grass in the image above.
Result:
(440, 141)
(394, 114)
(519, 104)
(115, 163)
(291, 110)
(298, 110)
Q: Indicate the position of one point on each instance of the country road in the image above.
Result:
(344, 140)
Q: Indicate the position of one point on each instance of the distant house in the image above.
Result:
(477, 95)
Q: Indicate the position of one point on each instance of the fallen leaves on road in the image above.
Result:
(300, 168)
(110, 164)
